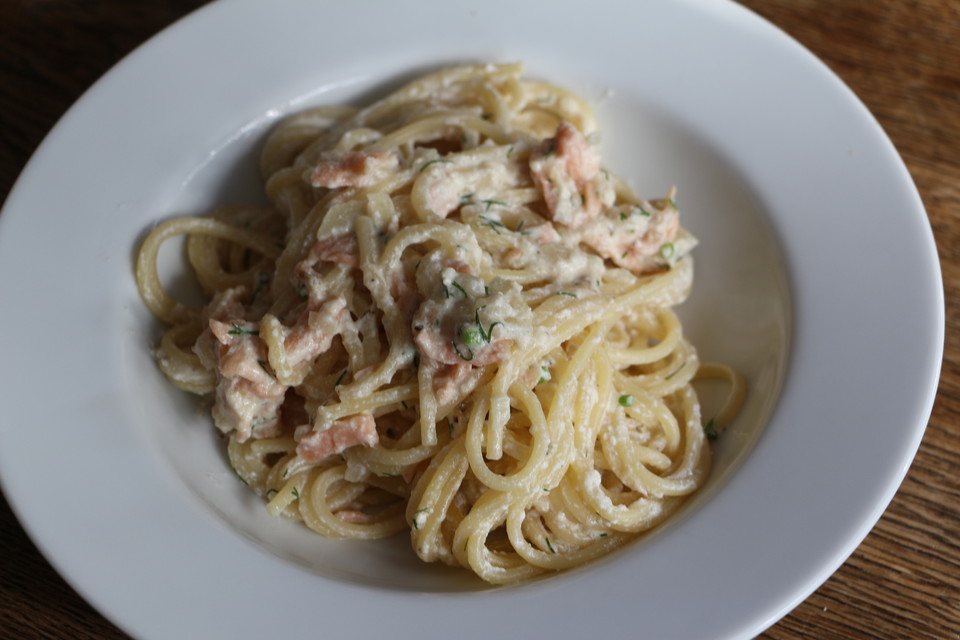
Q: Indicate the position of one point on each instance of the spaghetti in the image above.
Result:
(453, 321)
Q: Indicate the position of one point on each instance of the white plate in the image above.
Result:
(817, 277)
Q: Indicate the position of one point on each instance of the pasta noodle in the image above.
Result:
(454, 322)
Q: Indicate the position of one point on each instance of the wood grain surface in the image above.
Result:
(902, 57)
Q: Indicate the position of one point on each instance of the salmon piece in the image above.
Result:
(458, 366)
(246, 409)
(240, 349)
(443, 346)
(544, 233)
(567, 171)
(320, 319)
(314, 330)
(336, 169)
(360, 429)
(453, 381)
(636, 238)
(447, 185)
(248, 397)
(453, 328)
(225, 304)
(519, 256)
(444, 326)
(340, 248)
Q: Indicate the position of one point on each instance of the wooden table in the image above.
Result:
(902, 57)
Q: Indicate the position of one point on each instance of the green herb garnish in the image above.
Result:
(262, 279)
(263, 365)
(435, 161)
(493, 224)
(545, 375)
(460, 355)
(710, 430)
(239, 330)
(486, 335)
(415, 524)
(676, 371)
(637, 210)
